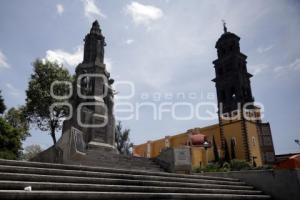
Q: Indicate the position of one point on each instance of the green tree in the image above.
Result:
(215, 149)
(39, 99)
(10, 140)
(12, 132)
(2, 105)
(17, 119)
(226, 153)
(122, 139)
(232, 147)
(31, 151)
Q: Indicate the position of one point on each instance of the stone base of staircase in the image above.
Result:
(60, 181)
(98, 157)
(65, 151)
(94, 157)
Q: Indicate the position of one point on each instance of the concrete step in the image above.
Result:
(113, 181)
(114, 164)
(120, 165)
(76, 173)
(45, 195)
(112, 160)
(60, 181)
(16, 185)
(109, 170)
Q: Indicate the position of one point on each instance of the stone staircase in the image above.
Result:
(60, 181)
(108, 159)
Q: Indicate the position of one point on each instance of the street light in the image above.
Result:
(206, 145)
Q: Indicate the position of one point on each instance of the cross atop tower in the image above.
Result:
(224, 26)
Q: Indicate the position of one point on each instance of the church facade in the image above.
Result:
(240, 133)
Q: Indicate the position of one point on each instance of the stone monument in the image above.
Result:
(93, 96)
(92, 122)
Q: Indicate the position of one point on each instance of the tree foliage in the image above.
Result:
(17, 119)
(31, 151)
(215, 149)
(10, 140)
(226, 153)
(2, 105)
(122, 139)
(232, 148)
(11, 134)
(39, 98)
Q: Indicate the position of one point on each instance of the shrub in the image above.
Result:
(226, 165)
(211, 167)
(237, 165)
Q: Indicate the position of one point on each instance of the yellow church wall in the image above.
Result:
(198, 157)
(178, 140)
(140, 150)
(210, 132)
(198, 154)
(156, 147)
(233, 130)
(254, 145)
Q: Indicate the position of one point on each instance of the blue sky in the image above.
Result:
(162, 47)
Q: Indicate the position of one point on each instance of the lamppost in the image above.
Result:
(206, 145)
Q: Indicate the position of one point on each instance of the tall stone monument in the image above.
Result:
(93, 96)
(91, 125)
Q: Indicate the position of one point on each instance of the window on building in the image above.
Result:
(234, 141)
(267, 141)
(253, 141)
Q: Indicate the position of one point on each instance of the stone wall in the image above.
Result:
(175, 160)
(280, 184)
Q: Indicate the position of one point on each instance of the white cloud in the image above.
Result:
(129, 41)
(91, 11)
(3, 62)
(257, 69)
(70, 60)
(60, 9)
(12, 90)
(293, 66)
(143, 14)
(264, 49)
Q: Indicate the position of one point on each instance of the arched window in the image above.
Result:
(253, 141)
(233, 139)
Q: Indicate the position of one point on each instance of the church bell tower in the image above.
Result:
(232, 78)
(233, 86)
